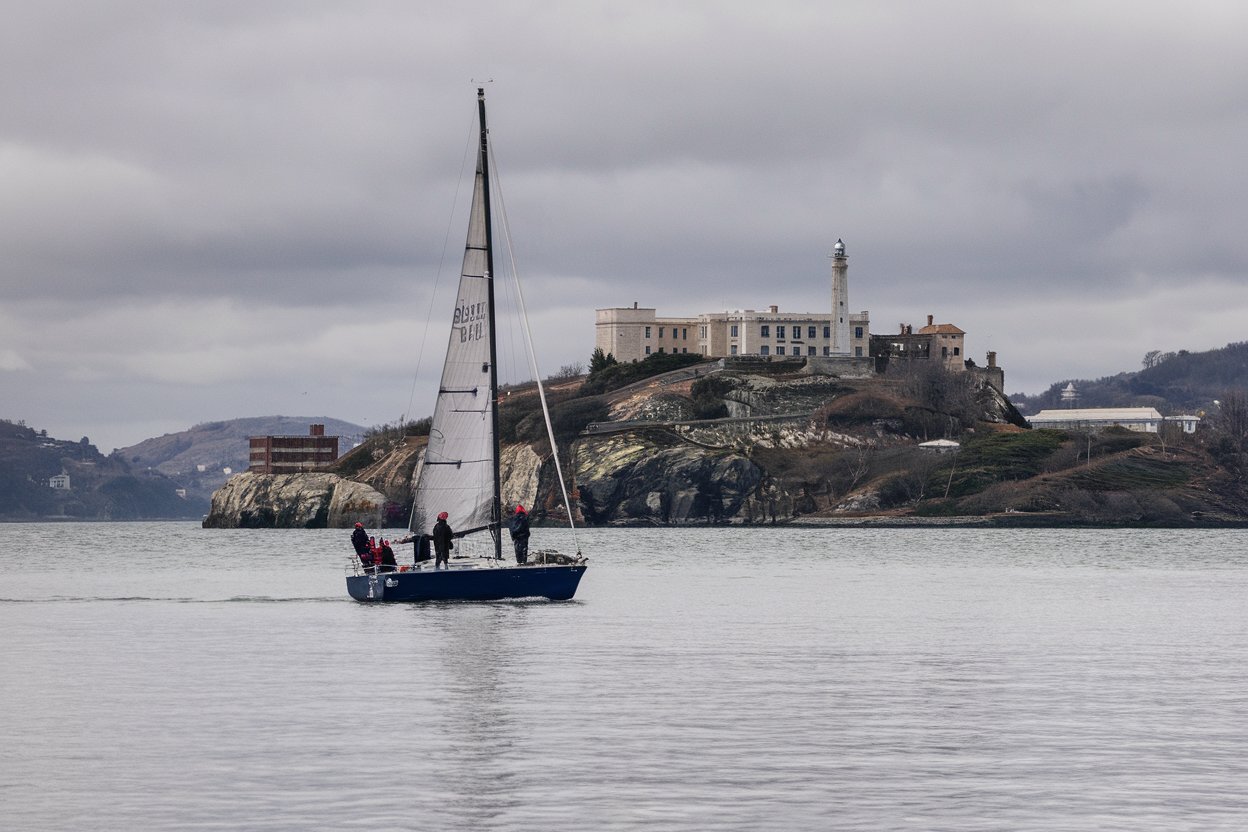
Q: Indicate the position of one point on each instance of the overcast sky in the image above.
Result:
(220, 209)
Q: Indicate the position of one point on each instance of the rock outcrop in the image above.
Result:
(311, 501)
(521, 474)
(630, 478)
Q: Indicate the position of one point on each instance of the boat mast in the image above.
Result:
(489, 284)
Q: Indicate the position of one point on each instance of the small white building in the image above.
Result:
(1187, 421)
(940, 446)
(1142, 419)
(59, 483)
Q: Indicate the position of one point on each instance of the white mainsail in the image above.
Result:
(457, 473)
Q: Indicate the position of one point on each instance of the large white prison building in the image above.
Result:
(631, 334)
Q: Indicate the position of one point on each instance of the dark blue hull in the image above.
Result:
(558, 583)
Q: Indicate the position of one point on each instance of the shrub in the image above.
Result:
(567, 419)
(708, 397)
(616, 376)
(861, 408)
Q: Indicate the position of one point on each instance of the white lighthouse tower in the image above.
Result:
(840, 300)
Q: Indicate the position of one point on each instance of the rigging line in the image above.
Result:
(541, 389)
(437, 278)
(504, 325)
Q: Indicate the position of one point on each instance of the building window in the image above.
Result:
(810, 332)
(660, 350)
(684, 334)
(827, 350)
(957, 350)
(827, 332)
(810, 350)
(733, 349)
(684, 349)
(647, 350)
(765, 332)
(734, 330)
(857, 352)
(647, 335)
(764, 350)
(857, 332)
(779, 350)
(702, 332)
(660, 332)
(779, 330)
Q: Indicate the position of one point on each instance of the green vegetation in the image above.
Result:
(599, 362)
(567, 419)
(615, 376)
(998, 457)
(708, 397)
(1131, 472)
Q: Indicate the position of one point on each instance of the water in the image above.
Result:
(160, 676)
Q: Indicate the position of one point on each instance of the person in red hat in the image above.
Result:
(442, 543)
(520, 534)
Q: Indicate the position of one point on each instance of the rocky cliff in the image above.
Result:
(781, 446)
(255, 501)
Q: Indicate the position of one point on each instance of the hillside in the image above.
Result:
(1174, 383)
(100, 487)
(219, 445)
(856, 457)
(749, 442)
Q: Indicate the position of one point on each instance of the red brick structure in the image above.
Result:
(292, 454)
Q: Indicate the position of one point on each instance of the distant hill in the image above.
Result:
(217, 446)
(99, 487)
(1174, 383)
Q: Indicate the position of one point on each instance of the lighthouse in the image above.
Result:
(840, 300)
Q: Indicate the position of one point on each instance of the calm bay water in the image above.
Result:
(161, 676)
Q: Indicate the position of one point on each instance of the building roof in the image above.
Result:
(941, 329)
(940, 443)
(1098, 414)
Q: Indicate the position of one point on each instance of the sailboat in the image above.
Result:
(459, 472)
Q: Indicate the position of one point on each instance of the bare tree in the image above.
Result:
(1228, 431)
(569, 371)
(857, 464)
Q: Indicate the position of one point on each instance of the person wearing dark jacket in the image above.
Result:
(520, 534)
(359, 539)
(420, 546)
(385, 557)
(442, 544)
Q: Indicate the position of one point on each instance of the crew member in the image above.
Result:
(442, 543)
(520, 534)
(359, 539)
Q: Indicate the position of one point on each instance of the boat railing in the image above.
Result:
(463, 556)
(466, 550)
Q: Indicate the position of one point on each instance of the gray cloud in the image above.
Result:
(221, 209)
